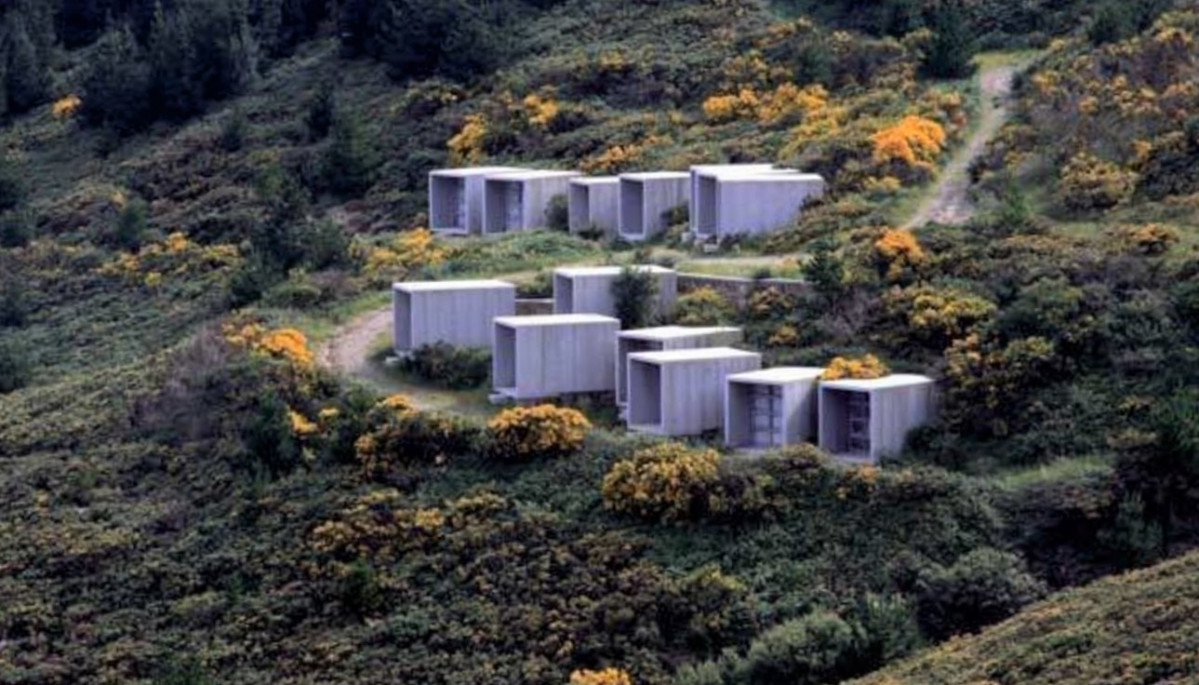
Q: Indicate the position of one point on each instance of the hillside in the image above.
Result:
(1137, 627)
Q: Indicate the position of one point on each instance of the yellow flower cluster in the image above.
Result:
(785, 102)
(619, 158)
(175, 255)
(947, 314)
(898, 251)
(608, 676)
(862, 368)
(1150, 239)
(913, 141)
(1088, 182)
(702, 307)
(540, 110)
(784, 336)
(301, 427)
(542, 431)
(466, 146)
(661, 482)
(66, 107)
(285, 343)
(410, 251)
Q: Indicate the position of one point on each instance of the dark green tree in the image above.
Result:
(322, 109)
(116, 89)
(950, 54)
(351, 160)
(633, 292)
(825, 271)
(14, 307)
(1113, 21)
(15, 229)
(267, 436)
(26, 73)
(14, 367)
(131, 226)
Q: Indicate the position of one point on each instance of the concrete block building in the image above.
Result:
(771, 408)
(595, 204)
(752, 203)
(707, 170)
(865, 420)
(646, 199)
(454, 312)
(681, 392)
(666, 338)
(536, 357)
(588, 289)
(456, 199)
(519, 200)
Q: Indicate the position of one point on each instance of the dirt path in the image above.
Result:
(348, 350)
(950, 200)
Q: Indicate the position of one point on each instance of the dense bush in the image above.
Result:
(14, 368)
(540, 432)
(703, 307)
(401, 436)
(983, 587)
(634, 293)
(818, 648)
(457, 368)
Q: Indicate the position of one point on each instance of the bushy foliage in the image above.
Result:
(1088, 183)
(864, 368)
(983, 587)
(457, 368)
(898, 256)
(703, 307)
(351, 160)
(607, 676)
(817, 648)
(634, 292)
(400, 436)
(14, 368)
(541, 432)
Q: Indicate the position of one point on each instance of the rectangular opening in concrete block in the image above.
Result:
(564, 294)
(447, 203)
(402, 322)
(513, 207)
(503, 361)
(755, 416)
(580, 208)
(706, 205)
(632, 207)
(645, 394)
(625, 347)
(845, 423)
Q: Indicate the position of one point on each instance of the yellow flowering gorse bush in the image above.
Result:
(897, 253)
(525, 433)
(667, 482)
(608, 676)
(867, 367)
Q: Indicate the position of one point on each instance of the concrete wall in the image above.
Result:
(681, 398)
(771, 408)
(752, 205)
(893, 412)
(542, 360)
(578, 292)
(682, 338)
(456, 198)
(518, 202)
(702, 169)
(595, 204)
(425, 313)
(645, 199)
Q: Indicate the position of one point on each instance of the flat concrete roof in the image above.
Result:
(474, 171)
(427, 286)
(608, 270)
(696, 355)
(896, 380)
(674, 332)
(656, 175)
(716, 167)
(532, 175)
(553, 320)
(771, 177)
(779, 375)
(595, 180)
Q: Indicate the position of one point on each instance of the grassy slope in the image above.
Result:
(1136, 628)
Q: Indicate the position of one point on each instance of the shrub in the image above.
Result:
(983, 587)
(540, 432)
(359, 590)
(1149, 240)
(818, 648)
(633, 292)
(935, 317)
(703, 307)
(608, 676)
(898, 255)
(406, 437)
(233, 133)
(1089, 183)
(557, 214)
(321, 110)
(268, 436)
(951, 52)
(13, 307)
(350, 161)
(715, 611)
(457, 368)
(15, 229)
(862, 368)
(14, 368)
(130, 230)
(666, 482)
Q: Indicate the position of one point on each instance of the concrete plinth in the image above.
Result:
(664, 338)
(646, 199)
(456, 199)
(454, 312)
(519, 200)
(595, 205)
(771, 408)
(865, 420)
(681, 392)
(537, 357)
(588, 290)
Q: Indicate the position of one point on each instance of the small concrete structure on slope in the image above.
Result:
(681, 392)
(454, 312)
(752, 204)
(588, 289)
(456, 199)
(647, 198)
(771, 408)
(595, 205)
(519, 200)
(865, 420)
(699, 170)
(535, 357)
(667, 338)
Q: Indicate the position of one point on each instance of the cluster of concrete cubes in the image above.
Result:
(664, 338)
(771, 408)
(455, 312)
(681, 392)
(646, 201)
(588, 289)
(456, 199)
(520, 200)
(738, 201)
(535, 357)
(595, 205)
(864, 420)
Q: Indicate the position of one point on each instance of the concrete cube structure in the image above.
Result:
(456, 199)
(772, 407)
(535, 357)
(666, 338)
(752, 204)
(595, 205)
(588, 289)
(681, 392)
(454, 312)
(519, 200)
(865, 420)
(645, 200)
(713, 169)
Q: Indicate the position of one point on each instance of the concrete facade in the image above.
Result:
(535, 357)
(771, 408)
(595, 205)
(518, 200)
(646, 198)
(454, 312)
(865, 420)
(664, 338)
(681, 392)
(456, 199)
(588, 290)
(712, 169)
(752, 204)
